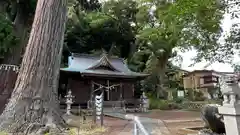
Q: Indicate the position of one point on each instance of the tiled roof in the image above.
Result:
(209, 71)
(100, 66)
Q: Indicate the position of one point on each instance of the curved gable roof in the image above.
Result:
(90, 65)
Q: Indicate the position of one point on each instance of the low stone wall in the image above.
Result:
(197, 105)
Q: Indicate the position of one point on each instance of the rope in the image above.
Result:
(8, 67)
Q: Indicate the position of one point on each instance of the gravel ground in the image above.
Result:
(116, 126)
(176, 128)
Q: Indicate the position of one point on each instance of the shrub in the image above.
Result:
(154, 103)
(163, 104)
(199, 96)
(178, 100)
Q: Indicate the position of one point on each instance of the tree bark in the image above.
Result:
(34, 102)
(161, 67)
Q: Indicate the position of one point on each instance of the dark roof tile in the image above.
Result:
(89, 65)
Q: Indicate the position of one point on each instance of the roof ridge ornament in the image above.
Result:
(103, 62)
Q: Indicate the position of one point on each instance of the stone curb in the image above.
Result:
(177, 121)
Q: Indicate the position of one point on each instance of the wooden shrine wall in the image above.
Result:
(8, 76)
(81, 90)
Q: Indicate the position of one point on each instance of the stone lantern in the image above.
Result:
(69, 101)
(144, 102)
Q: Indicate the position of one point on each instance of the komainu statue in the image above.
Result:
(213, 120)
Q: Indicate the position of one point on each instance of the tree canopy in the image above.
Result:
(7, 38)
(105, 27)
(181, 25)
(148, 33)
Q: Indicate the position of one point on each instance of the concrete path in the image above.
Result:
(153, 126)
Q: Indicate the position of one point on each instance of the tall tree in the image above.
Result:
(34, 103)
(182, 24)
(229, 48)
(20, 12)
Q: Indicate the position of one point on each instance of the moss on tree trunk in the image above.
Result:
(34, 102)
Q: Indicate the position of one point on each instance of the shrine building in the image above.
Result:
(87, 76)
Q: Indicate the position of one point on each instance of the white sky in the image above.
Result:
(187, 56)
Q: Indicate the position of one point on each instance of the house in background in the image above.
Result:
(175, 82)
(179, 76)
(205, 81)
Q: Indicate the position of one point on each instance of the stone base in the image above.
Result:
(231, 116)
(207, 132)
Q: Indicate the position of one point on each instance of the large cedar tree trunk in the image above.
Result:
(34, 101)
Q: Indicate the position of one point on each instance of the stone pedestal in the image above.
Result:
(231, 109)
(231, 119)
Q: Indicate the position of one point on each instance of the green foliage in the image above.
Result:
(194, 95)
(183, 25)
(229, 44)
(199, 96)
(3, 133)
(179, 100)
(108, 28)
(236, 67)
(7, 39)
(162, 104)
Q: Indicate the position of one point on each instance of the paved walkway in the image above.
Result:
(171, 115)
(153, 126)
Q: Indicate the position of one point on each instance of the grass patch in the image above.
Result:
(3, 133)
(83, 126)
(163, 104)
(97, 130)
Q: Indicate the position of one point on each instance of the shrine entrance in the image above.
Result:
(112, 94)
(111, 91)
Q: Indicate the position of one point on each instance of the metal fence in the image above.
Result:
(138, 126)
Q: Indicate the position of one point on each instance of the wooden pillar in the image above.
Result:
(133, 89)
(121, 92)
(102, 106)
(91, 94)
(108, 91)
(121, 95)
